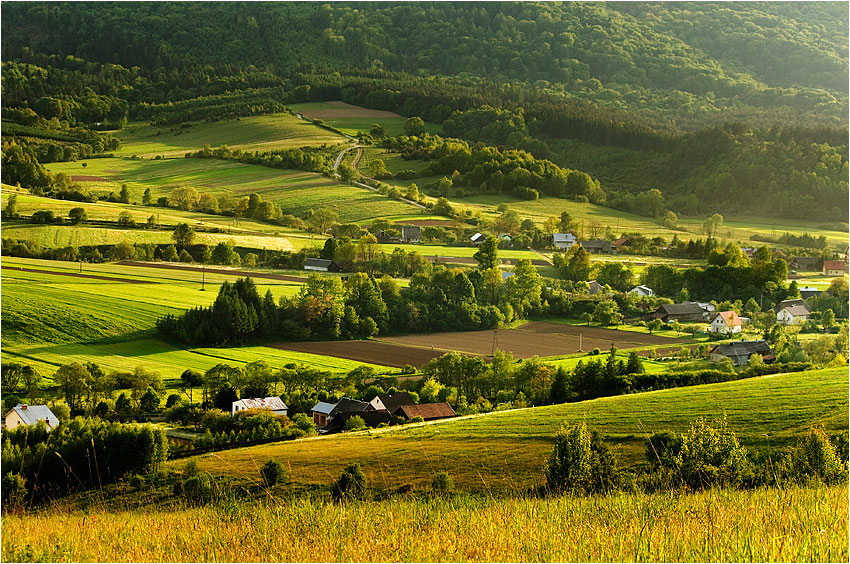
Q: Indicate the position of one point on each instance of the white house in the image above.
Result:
(23, 414)
(273, 404)
(725, 322)
(642, 291)
(793, 315)
(563, 240)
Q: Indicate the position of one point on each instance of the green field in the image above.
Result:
(394, 125)
(295, 191)
(254, 133)
(505, 451)
(792, 524)
(452, 251)
(48, 319)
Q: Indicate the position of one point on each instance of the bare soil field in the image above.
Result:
(227, 271)
(373, 352)
(79, 275)
(347, 111)
(87, 178)
(533, 339)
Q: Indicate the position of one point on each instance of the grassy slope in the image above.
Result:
(354, 125)
(506, 451)
(255, 133)
(794, 524)
(295, 191)
(48, 320)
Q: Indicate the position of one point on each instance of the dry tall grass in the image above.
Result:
(793, 524)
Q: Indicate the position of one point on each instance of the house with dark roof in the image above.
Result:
(686, 311)
(411, 234)
(427, 411)
(739, 352)
(834, 268)
(793, 315)
(807, 292)
(391, 402)
(806, 263)
(24, 414)
(320, 265)
(385, 237)
(725, 322)
(597, 246)
(789, 303)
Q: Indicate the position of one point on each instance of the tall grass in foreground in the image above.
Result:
(793, 524)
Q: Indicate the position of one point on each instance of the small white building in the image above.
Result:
(793, 315)
(563, 240)
(725, 322)
(23, 414)
(642, 291)
(273, 404)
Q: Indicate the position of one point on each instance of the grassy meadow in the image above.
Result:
(254, 133)
(793, 524)
(353, 119)
(295, 191)
(506, 451)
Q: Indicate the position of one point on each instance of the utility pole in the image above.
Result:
(203, 275)
(580, 339)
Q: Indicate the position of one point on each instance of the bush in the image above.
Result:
(199, 489)
(273, 472)
(711, 456)
(417, 419)
(351, 483)
(580, 463)
(355, 423)
(442, 483)
(14, 490)
(815, 457)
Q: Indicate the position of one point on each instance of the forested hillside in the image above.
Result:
(715, 104)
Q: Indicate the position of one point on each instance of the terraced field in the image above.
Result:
(254, 133)
(295, 191)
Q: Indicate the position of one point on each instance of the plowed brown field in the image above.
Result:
(532, 339)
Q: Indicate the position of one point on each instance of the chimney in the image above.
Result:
(24, 406)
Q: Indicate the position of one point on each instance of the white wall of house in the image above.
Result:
(719, 326)
(785, 317)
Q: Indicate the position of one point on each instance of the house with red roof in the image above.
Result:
(725, 322)
(834, 268)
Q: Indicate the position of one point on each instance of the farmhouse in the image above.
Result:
(477, 239)
(391, 402)
(807, 292)
(320, 265)
(621, 242)
(806, 263)
(597, 246)
(685, 311)
(793, 315)
(563, 240)
(427, 411)
(725, 322)
(789, 303)
(739, 352)
(320, 413)
(834, 268)
(273, 404)
(594, 287)
(642, 291)
(384, 237)
(23, 414)
(411, 234)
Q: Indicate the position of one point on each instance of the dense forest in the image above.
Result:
(717, 105)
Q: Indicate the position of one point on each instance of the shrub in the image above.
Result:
(417, 419)
(711, 456)
(355, 423)
(273, 472)
(442, 483)
(14, 490)
(580, 462)
(199, 489)
(351, 483)
(814, 457)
